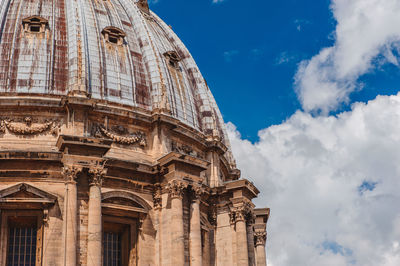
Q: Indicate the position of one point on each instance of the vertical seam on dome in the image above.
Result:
(163, 89)
(127, 48)
(11, 57)
(170, 88)
(100, 48)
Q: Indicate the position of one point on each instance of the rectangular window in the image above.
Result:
(112, 249)
(116, 243)
(21, 238)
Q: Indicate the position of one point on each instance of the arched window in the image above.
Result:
(35, 24)
(114, 35)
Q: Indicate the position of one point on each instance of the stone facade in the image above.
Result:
(89, 176)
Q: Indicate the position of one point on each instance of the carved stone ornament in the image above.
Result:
(176, 188)
(198, 191)
(96, 175)
(26, 126)
(260, 238)
(70, 173)
(240, 213)
(137, 137)
(212, 216)
(185, 149)
(157, 197)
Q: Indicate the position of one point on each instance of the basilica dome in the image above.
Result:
(112, 148)
(117, 52)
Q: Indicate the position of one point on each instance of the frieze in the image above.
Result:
(121, 135)
(26, 126)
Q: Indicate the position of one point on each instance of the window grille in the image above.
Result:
(112, 244)
(21, 246)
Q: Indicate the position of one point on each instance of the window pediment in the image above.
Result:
(114, 35)
(35, 24)
(25, 194)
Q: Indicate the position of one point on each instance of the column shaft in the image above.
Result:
(178, 248)
(195, 235)
(71, 223)
(261, 258)
(94, 227)
(242, 247)
(250, 243)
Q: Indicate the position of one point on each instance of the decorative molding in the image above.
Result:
(185, 149)
(25, 126)
(96, 175)
(70, 173)
(240, 213)
(157, 197)
(212, 216)
(176, 189)
(260, 238)
(121, 135)
(198, 192)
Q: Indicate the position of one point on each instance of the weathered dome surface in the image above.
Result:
(115, 51)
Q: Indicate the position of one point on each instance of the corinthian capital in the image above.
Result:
(198, 191)
(260, 238)
(96, 175)
(70, 173)
(176, 188)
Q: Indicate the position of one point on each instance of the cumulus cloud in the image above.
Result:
(332, 183)
(365, 29)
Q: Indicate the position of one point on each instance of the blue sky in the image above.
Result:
(249, 53)
(309, 91)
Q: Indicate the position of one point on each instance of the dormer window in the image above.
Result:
(35, 24)
(114, 35)
(173, 59)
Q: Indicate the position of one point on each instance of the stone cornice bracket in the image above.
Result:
(96, 175)
(70, 173)
(260, 238)
(176, 188)
(157, 197)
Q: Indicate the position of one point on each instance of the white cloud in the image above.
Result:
(332, 184)
(365, 29)
(217, 1)
(229, 55)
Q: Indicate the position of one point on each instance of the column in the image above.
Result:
(70, 214)
(241, 237)
(196, 258)
(94, 258)
(176, 190)
(260, 239)
(250, 239)
(157, 207)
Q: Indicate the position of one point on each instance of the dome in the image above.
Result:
(117, 52)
